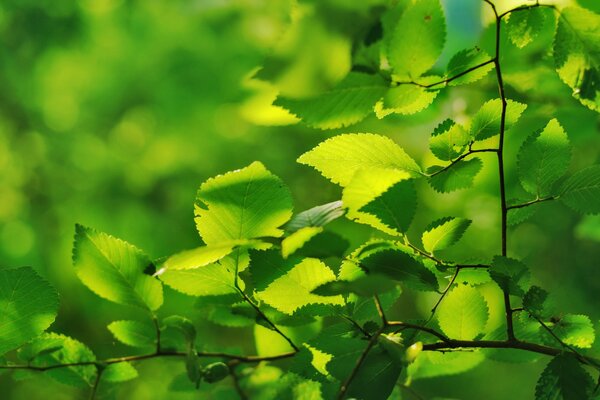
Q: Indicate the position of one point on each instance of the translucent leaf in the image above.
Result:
(563, 379)
(430, 364)
(524, 26)
(348, 103)
(382, 198)
(134, 333)
(323, 245)
(353, 279)
(509, 274)
(114, 269)
(465, 59)
(486, 122)
(198, 257)
(247, 203)
(526, 329)
(543, 159)
(444, 233)
(299, 238)
(316, 216)
(209, 280)
(581, 191)
(293, 290)
(463, 314)
(404, 99)
(448, 141)
(119, 372)
(29, 305)
(417, 40)
(339, 157)
(575, 330)
(460, 176)
(577, 54)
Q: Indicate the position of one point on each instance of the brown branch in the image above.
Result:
(420, 328)
(524, 8)
(99, 371)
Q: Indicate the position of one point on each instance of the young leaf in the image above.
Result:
(448, 141)
(463, 314)
(209, 280)
(293, 290)
(543, 159)
(395, 207)
(348, 103)
(486, 123)
(198, 257)
(463, 61)
(444, 232)
(134, 333)
(563, 379)
(404, 99)
(524, 26)
(316, 216)
(575, 330)
(119, 372)
(339, 157)
(509, 274)
(114, 269)
(247, 203)
(581, 191)
(29, 305)
(417, 39)
(577, 54)
(459, 176)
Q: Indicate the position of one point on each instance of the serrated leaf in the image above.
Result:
(534, 301)
(348, 103)
(465, 59)
(430, 364)
(517, 215)
(417, 40)
(209, 280)
(486, 122)
(198, 257)
(509, 274)
(463, 314)
(114, 269)
(339, 157)
(405, 99)
(575, 330)
(448, 141)
(459, 176)
(444, 233)
(581, 191)
(316, 216)
(29, 305)
(294, 289)
(119, 372)
(248, 203)
(563, 379)
(134, 333)
(524, 26)
(577, 54)
(299, 238)
(325, 244)
(543, 159)
(184, 326)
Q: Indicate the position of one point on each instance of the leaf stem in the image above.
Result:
(532, 202)
(455, 161)
(448, 80)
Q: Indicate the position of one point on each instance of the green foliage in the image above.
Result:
(487, 121)
(564, 379)
(465, 60)
(524, 27)
(443, 233)
(133, 333)
(448, 141)
(581, 191)
(464, 313)
(458, 176)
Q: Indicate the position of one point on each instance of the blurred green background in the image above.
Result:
(112, 112)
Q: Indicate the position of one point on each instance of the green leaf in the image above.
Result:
(119, 372)
(448, 141)
(293, 290)
(577, 54)
(299, 238)
(486, 123)
(463, 314)
(247, 203)
(382, 198)
(215, 372)
(524, 26)
(509, 274)
(184, 326)
(430, 364)
(198, 257)
(134, 333)
(459, 176)
(463, 61)
(316, 216)
(534, 302)
(405, 99)
(114, 269)
(323, 245)
(29, 305)
(339, 157)
(543, 159)
(563, 379)
(418, 39)
(444, 233)
(575, 330)
(353, 279)
(348, 103)
(522, 214)
(581, 191)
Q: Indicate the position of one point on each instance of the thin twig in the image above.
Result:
(470, 152)
(420, 328)
(380, 311)
(412, 391)
(529, 203)
(447, 80)
(445, 291)
(523, 8)
(236, 383)
(99, 371)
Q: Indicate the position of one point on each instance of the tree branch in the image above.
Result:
(532, 202)
(448, 80)
(470, 152)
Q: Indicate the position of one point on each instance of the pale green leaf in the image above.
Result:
(299, 238)
(114, 269)
(430, 364)
(563, 379)
(463, 61)
(417, 40)
(28, 305)
(581, 191)
(463, 314)
(405, 99)
(348, 103)
(575, 330)
(459, 176)
(293, 290)
(119, 372)
(444, 232)
(524, 26)
(316, 216)
(209, 280)
(247, 203)
(134, 333)
(448, 141)
(204, 255)
(486, 122)
(543, 159)
(339, 157)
